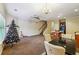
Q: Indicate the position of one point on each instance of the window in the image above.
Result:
(2, 28)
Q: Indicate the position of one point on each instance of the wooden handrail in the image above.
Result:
(42, 26)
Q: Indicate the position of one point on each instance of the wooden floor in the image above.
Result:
(27, 46)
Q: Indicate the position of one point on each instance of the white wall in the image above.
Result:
(28, 28)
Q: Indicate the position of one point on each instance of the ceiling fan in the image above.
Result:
(36, 19)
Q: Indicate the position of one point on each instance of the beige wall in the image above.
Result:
(2, 10)
(47, 31)
(72, 25)
(55, 25)
(48, 28)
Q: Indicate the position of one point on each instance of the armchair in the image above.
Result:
(54, 49)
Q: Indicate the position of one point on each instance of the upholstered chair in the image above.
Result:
(54, 49)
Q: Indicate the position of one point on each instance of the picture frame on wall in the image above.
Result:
(62, 25)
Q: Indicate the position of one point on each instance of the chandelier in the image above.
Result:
(46, 10)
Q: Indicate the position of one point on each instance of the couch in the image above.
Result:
(69, 36)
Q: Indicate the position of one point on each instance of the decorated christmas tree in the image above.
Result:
(12, 35)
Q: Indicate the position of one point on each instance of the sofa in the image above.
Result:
(69, 36)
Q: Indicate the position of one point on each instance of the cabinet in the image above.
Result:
(77, 39)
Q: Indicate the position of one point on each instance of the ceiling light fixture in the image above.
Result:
(46, 10)
(76, 10)
(58, 16)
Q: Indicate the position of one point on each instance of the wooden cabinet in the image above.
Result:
(77, 39)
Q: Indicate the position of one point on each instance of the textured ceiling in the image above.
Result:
(26, 11)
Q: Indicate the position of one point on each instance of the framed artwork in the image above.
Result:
(62, 25)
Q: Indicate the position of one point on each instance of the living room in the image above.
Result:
(38, 24)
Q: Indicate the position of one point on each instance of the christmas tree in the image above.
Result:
(12, 35)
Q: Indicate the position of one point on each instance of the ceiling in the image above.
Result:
(27, 11)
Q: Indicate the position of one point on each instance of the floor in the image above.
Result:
(27, 46)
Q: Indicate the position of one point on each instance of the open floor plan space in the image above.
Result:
(39, 28)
